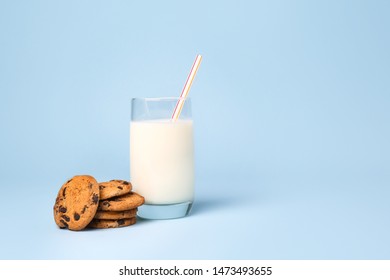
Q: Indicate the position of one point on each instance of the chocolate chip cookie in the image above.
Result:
(122, 203)
(114, 188)
(96, 223)
(115, 215)
(77, 202)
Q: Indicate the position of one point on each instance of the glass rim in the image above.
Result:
(164, 98)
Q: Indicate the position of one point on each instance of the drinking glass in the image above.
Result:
(162, 157)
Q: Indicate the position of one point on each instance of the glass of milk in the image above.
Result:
(162, 157)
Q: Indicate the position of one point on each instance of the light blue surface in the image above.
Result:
(291, 109)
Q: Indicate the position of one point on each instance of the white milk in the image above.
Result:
(162, 160)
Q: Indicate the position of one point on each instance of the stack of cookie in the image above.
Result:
(117, 205)
(83, 202)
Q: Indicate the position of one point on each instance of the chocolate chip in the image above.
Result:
(64, 223)
(125, 183)
(76, 216)
(106, 203)
(65, 217)
(63, 209)
(119, 187)
(85, 208)
(90, 186)
(121, 222)
(63, 192)
(95, 198)
(101, 187)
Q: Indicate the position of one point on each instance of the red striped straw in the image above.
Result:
(186, 89)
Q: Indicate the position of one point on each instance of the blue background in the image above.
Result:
(291, 109)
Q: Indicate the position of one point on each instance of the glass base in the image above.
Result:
(164, 211)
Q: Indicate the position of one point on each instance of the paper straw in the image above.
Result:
(186, 89)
